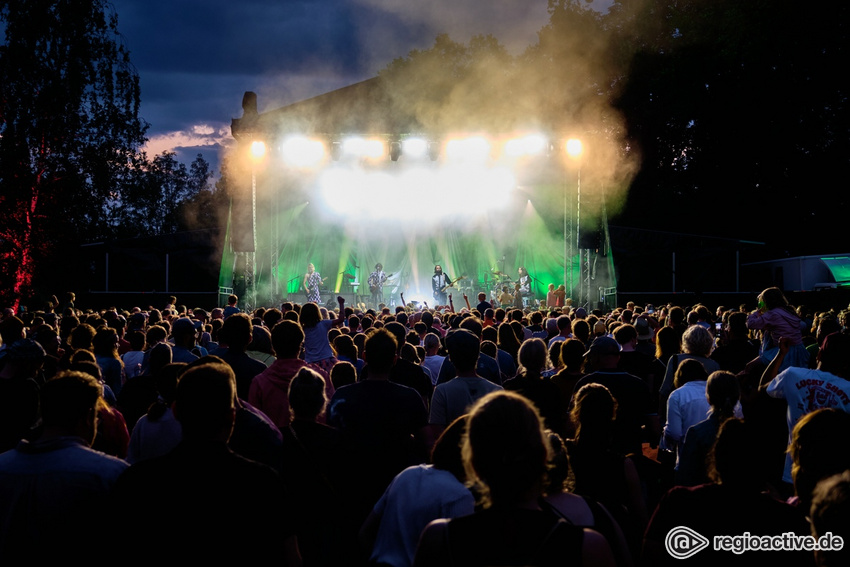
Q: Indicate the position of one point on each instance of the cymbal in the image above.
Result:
(497, 273)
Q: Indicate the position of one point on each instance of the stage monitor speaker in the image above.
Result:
(591, 240)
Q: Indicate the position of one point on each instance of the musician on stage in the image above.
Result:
(311, 284)
(376, 284)
(518, 298)
(524, 282)
(439, 282)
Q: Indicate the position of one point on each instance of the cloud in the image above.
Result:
(212, 136)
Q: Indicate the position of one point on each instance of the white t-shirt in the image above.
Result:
(433, 365)
(414, 498)
(807, 390)
(133, 362)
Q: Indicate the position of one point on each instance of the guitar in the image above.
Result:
(451, 284)
(309, 289)
(378, 286)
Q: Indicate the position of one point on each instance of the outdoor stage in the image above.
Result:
(479, 219)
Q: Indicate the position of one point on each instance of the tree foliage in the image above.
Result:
(206, 206)
(740, 112)
(70, 166)
(165, 197)
(69, 129)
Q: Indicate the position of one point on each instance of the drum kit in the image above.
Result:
(499, 280)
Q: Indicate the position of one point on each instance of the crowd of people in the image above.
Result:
(419, 437)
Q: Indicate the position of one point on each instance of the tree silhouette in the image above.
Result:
(739, 110)
(69, 130)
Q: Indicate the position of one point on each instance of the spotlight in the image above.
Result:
(415, 147)
(336, 151)
(529, 145)
(258, 149)
(362, 148)
(395, 150)
(300, 151)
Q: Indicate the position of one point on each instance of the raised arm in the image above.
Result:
(340, 319)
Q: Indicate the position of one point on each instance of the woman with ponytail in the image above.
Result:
(723, 393)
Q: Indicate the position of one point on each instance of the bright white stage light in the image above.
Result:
(530, 145)
(414, 148)
(465, 187)
(353, 146)
(416, 195)
(300, 151)
(413, 193)
(380, 190)
(363, 148)
(375, 149)
(258, 149)
(475, 149)
(574, 147)
(500, 182)
(335, 187)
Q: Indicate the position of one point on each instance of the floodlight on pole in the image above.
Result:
(258, 152)
(574, 149)
(258, 149)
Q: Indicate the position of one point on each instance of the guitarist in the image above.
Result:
(311, 284)
(376, 284)
(439, 284)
